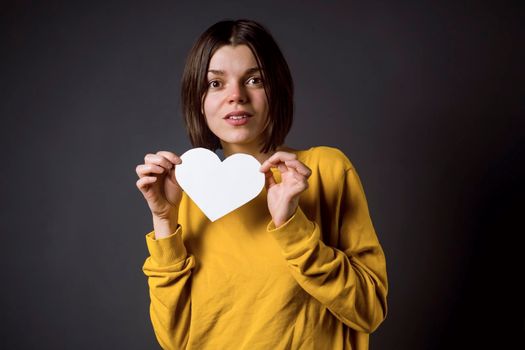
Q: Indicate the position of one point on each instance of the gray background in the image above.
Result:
(426, 98)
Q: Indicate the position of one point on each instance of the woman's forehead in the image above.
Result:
(232, 58)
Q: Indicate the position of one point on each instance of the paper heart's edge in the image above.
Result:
(199, 149)
(211, 217)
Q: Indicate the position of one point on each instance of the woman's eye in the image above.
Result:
(255, 81)
(214, 84)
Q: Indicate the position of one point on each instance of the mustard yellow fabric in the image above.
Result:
(317, 282)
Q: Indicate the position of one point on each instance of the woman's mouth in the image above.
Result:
(237, 118)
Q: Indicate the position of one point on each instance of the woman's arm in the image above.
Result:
(169, 266)
(350, 279)
(169, 269)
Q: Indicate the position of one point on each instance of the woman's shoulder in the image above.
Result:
(324, 156)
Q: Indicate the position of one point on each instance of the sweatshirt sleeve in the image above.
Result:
(350, 279)
(168, 269)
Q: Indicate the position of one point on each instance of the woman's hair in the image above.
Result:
(278, 84)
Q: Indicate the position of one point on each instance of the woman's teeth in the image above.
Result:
(237, 117)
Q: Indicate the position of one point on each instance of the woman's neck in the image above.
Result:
(254, 150)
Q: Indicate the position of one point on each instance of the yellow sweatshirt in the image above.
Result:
(317, 282)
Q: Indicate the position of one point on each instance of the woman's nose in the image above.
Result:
(237, 94)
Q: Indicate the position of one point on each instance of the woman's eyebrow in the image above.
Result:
(221, 72)
(216, 72)
(253, 70)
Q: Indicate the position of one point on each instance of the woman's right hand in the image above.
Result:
(158, 184)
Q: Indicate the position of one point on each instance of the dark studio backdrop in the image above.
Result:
(426, 99)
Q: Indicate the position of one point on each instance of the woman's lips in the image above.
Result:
(237, 118)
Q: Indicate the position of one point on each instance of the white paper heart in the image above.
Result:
(216, 187)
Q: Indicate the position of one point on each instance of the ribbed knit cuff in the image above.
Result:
(168, 250)
(294, 233)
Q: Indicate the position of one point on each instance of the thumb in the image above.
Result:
(270, 180)
(172, 177)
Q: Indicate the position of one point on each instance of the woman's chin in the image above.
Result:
(240, 142)
(240, 139)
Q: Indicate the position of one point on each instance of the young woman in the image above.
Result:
(298, 267)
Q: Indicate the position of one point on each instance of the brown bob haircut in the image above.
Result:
(278, 84)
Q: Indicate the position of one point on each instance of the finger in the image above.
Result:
(146, 169)
(158, 160)
(275, 159)
(300, 178)
(283, 155)
(172, 157)
(279, 157)
(282, 168)
(297, 183)
(144, 182)
(299, 167)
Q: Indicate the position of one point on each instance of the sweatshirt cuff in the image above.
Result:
(295, 233)
(166, 251)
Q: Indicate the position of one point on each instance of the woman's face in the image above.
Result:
(235, 104)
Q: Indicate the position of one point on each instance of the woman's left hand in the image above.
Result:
(283, 197)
